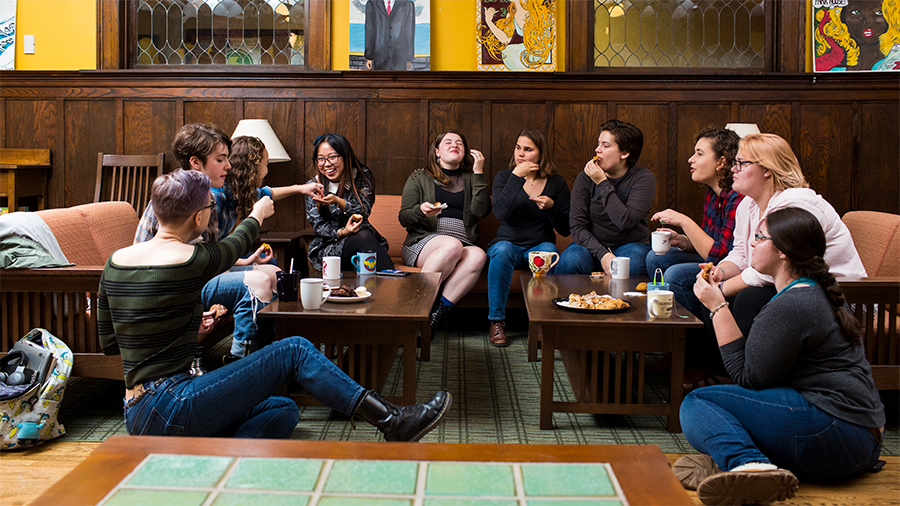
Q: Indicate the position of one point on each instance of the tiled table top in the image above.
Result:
(175, 480)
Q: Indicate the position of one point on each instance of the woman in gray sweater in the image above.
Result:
(805, 403)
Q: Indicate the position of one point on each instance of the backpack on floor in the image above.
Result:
(33, 377)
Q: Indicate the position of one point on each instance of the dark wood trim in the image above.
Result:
(318, 39)
(579, 34)
(789, 51)
(110, 34)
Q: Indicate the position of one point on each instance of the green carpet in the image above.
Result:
(495, 400)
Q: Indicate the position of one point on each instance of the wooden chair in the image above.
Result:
(875, 299)
(127, 177)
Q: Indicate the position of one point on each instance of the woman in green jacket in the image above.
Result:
(440, 209)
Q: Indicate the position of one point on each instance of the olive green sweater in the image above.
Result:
(420, 188)
(150, 314)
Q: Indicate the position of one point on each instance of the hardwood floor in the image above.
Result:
(27, 474)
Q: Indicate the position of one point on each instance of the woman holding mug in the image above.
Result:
(805, 403)
(339, 213)
(440, 209)
(531, 201)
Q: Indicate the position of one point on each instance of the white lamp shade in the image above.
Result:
(743, 129)
(261, 129)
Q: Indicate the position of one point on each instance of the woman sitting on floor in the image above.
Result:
(805, 402)
(149, 311)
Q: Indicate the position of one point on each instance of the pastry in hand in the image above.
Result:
(707, 269)
(219, 309)
(356, 217)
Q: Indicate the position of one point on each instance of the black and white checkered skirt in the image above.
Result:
(454, 227)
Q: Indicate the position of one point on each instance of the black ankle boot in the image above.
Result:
(403, 423)
(438, 314)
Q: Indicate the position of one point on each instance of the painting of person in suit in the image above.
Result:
(390, 34)
(857, 35)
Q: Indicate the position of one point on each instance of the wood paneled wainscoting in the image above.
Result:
(844, 129)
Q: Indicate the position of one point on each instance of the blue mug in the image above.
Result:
(364, 261)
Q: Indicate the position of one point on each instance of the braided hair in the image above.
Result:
(799, 235)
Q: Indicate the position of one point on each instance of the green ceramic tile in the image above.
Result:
(181, 471)
(235, 499)
(363, 501)
(470, 480)
(373, 477)
(276, 474)
(563, 502)
(469, 502)
(131, 497)
(566, 480)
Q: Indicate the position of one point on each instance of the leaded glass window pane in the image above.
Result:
(680, 33)
(219, 32)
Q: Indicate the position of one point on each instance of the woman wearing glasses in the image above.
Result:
(440, 209)
(805, 403)
(768, 174)
(340, 213)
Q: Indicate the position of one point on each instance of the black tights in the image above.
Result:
(364, 240)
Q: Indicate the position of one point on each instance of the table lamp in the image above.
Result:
(261, 129)
(743, 129)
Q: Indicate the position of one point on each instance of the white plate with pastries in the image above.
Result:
(361, 295)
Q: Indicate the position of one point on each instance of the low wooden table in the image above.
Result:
(642, 472)
(23, 173)
(362, 338)
(604, 353)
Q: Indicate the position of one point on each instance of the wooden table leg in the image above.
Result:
(534, 333)
(547, 353)
(676, 381)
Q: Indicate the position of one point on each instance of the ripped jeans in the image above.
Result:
(230, 290)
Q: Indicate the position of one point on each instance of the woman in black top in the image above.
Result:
(530, 201)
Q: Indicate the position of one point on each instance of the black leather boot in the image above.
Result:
(438, 314)
(403, 423)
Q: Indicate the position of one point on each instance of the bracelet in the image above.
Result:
(721, 288)
(716, 310)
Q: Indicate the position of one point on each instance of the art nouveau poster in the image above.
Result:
(390, 34)
(856, 35)
(7, 34)
(516, 35)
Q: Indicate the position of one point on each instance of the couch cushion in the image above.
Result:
(877, 239)
(89, 233)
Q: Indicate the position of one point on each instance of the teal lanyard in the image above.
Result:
(792, 283)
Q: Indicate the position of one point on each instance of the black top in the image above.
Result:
(521, 221)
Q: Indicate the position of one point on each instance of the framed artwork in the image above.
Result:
(516, 35)
(7, 34)
(390, 35)
(856, 35)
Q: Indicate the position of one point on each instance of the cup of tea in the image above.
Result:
(660, 242)
(540, 262)
(364, 261)
(312, 293)
(659, 303)
(286, 285)
(331, 268)
(620, 267)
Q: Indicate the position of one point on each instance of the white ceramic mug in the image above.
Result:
(331, 267)
(312, 293)
(540, 262)
(620, 267)
(659, 303)
(660, 241)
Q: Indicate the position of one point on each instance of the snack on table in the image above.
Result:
(219, 309)
(343, 291)
(707, 268)
(598, 274)
(361, 291)
(594, 301)
(641, 287)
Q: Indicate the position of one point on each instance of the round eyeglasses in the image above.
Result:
(740, 165)
(331, 159)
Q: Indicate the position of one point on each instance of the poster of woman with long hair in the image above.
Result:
(856, 35)
(516, 35)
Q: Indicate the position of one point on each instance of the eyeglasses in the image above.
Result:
(331, 159)
(740, 165)
(210, 206)
(760, 237)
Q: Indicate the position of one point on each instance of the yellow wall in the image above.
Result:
(452, 34)
(65, 34)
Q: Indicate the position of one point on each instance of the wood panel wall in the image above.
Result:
(844, 129)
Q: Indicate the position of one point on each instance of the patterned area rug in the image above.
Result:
(495, 400)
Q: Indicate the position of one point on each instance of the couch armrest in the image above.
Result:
(56, 279)
(875, 303)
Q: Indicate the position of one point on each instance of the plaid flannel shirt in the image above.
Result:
(718, 221)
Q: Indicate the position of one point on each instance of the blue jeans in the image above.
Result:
(736, 426)
(504, 257)
(576, 259)
(680, 270)
(236, 400)
(229, 290)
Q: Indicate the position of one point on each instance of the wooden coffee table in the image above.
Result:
(362, 338)
(604, 353)
(133, 469)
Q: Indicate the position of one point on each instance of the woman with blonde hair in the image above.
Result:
(440, 209)
(522, 39)
(769, 175)
(862, 35)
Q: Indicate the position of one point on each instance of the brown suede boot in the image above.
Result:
(497, 334)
